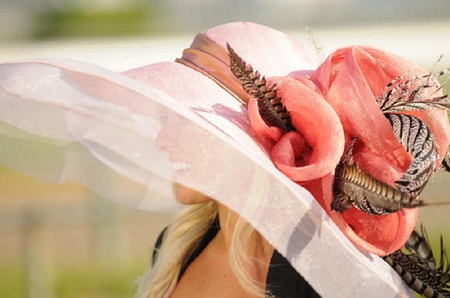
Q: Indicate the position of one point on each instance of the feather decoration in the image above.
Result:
(352, 186)
(418, 140)
(315, 44)
(445, 164)
(408, 94)
(418, 268)
(418, 245)
(270, 106)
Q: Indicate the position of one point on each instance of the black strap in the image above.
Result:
(157, 246)
(215, 227)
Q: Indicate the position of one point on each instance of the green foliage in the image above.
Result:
(79, 23)
(78, 282)
(97, 282)
(12, 283)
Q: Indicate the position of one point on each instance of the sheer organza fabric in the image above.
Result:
(337, 102)
(129, 136)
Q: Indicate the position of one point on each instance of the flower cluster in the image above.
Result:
(332, 105)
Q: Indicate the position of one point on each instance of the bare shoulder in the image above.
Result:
(210, 275)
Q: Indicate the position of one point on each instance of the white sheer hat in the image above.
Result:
(128, 136)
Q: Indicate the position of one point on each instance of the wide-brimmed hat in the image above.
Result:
(128, 136)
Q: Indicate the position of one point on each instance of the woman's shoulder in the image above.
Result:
(283, 281)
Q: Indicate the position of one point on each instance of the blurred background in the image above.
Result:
(52, 244)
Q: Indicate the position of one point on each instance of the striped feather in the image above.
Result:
(352, 186)
(445, 164)
(418, 268)
(408, 94)
(418, 245)
(418, 140)
(270, 106)
(417, 278)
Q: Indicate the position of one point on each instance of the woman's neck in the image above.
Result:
(213, 269)
(227, 223)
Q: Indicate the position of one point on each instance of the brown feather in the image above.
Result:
(270, 105)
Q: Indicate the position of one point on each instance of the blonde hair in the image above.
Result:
(181, 240)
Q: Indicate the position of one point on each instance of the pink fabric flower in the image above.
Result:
(328, 106)
(336, 104)
(312, 151)
(351, 80)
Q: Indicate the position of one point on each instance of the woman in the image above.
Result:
(196, 122)
(230, 260)
(210, 247)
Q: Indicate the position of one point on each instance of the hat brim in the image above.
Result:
(106, 127)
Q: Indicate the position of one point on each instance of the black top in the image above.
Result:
(283, 281)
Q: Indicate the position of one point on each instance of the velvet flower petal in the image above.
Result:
(351, 80)
(314, 149)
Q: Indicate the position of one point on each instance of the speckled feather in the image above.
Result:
(270, 106)
(418, 268)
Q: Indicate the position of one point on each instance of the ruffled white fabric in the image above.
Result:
(64, 120)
